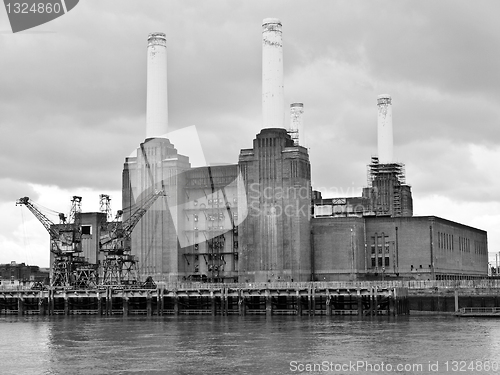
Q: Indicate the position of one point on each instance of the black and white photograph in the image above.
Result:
(249, 187)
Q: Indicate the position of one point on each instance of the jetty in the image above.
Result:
(307, 298)
(364, 298)
(479, 312)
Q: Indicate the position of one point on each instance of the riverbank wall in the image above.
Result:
(306, 298)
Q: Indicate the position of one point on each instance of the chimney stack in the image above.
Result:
(157, 101)
(273, 104)
(297, 123)
(385, 138)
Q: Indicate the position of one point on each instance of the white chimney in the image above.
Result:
(385, 139)
(297, 123)
(273, 104)
(157, 101)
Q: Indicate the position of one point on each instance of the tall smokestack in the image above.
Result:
(385, 139)
(297, 123)
(273, 104)
(157, 103)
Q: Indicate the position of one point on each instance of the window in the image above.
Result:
(86, 229)
(386, 261)
(373, 262)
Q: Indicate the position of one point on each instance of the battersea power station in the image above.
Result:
(260, 220)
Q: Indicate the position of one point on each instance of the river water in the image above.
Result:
(249, 345)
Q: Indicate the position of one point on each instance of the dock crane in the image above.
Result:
(69, 268)
(119, 265)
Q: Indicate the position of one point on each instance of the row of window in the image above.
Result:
(380, 244)
(464, 244)
(480, 248)
(380, 251)
(378, 261)
(445, 241)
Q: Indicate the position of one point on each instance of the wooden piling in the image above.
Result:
(66, 303)
(41, 303)
(110, 301)
(224, 301)
(51, 301)
(241, 303)
(392, 299)
(99, 304)
(313, 301)
(299, 303)
(20, 306)
(359, 300)
(269, 303)
(309, 302)
(125, 305)
(160, 302)
(328, 303)
(213, 303)
(176, 304)
(149, 304)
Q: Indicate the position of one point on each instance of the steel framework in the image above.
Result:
(119, 265)
(69, 268)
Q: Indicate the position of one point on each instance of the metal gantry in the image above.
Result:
(119, 265)
(69, 267)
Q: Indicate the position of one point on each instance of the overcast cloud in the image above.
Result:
(72, 98)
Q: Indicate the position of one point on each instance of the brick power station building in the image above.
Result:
(260, 220)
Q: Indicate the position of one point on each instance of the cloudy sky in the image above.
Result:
(72, 99)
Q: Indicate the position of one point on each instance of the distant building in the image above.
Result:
(19, 274)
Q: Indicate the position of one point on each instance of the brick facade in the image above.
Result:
(422, 248)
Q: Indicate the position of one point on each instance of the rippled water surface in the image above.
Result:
(247, 345)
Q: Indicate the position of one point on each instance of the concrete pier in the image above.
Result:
(210, 299)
